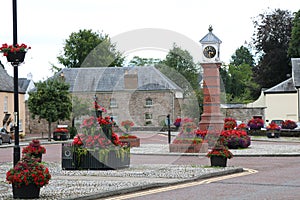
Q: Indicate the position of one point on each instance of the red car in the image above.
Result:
(5, 137)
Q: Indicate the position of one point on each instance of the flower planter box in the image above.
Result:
(218, 161)
(133, 142)
(273, 134)
(94, 159)
(189, 148)
(30, 191)
(16, 57)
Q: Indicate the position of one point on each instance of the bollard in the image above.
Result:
(169, 129)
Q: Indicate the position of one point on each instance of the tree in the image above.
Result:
(91, 49)
(138, 61)
(241, 84)
(242, 56)
(294, 45)
(272, 36)
(50, 101)
(182, 61)
(237, 77)
(179, 67)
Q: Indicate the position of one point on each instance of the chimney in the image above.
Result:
(131, 80)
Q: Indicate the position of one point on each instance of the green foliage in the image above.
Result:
(238, 77)
(242, 56)
(182, 61)
(50, 101)
(179, 67)
(294, 45)
(272, 36)
(138, 61)
(90, 49)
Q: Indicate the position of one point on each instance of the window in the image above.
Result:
(148, 116)
(5, 108)
(20, 125)
(149, 102)
(113, 103)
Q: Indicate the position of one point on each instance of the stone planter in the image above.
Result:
(94, 159)
(189, 148)
(133, 142)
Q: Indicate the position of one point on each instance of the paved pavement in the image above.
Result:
(91, 184)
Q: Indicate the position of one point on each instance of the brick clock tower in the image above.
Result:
(211, 119)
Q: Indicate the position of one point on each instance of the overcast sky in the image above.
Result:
(45, 24)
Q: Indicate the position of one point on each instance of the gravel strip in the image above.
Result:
(67, 184)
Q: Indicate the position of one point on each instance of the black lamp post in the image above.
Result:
(15, 65)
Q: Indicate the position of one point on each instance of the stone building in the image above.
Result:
(141, 94)
(7, 101)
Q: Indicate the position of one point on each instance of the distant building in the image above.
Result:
(279, 102)
(141, 94)
(7, 101)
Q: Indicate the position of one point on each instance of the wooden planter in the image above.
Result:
(95, 159)
(189, 148)
(133, 142)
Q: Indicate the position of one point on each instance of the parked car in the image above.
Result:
(277, 121)
(298, 126)
(5, 137)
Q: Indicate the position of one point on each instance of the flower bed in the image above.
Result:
(256, 124)
(233, 139)
(189, 140)
(132, 140)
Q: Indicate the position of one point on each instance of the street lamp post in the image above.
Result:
(17, 150)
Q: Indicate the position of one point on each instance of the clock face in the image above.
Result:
(209, 52)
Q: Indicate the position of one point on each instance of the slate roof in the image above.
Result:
(296, 71)
(108, 79)
(7, 82)
(210, 38)
(290, 85)
(23, 83)
(286, 86)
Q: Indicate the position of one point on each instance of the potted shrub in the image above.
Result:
(229, 123)
(177, 123)
(255, 124)
(242, 126)
(273, 130)
(235, 139)
(27, 177)
(289, 124)
(34, 149)
(219, 155)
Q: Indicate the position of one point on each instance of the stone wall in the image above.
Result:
(130, 105)
(243, 114)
